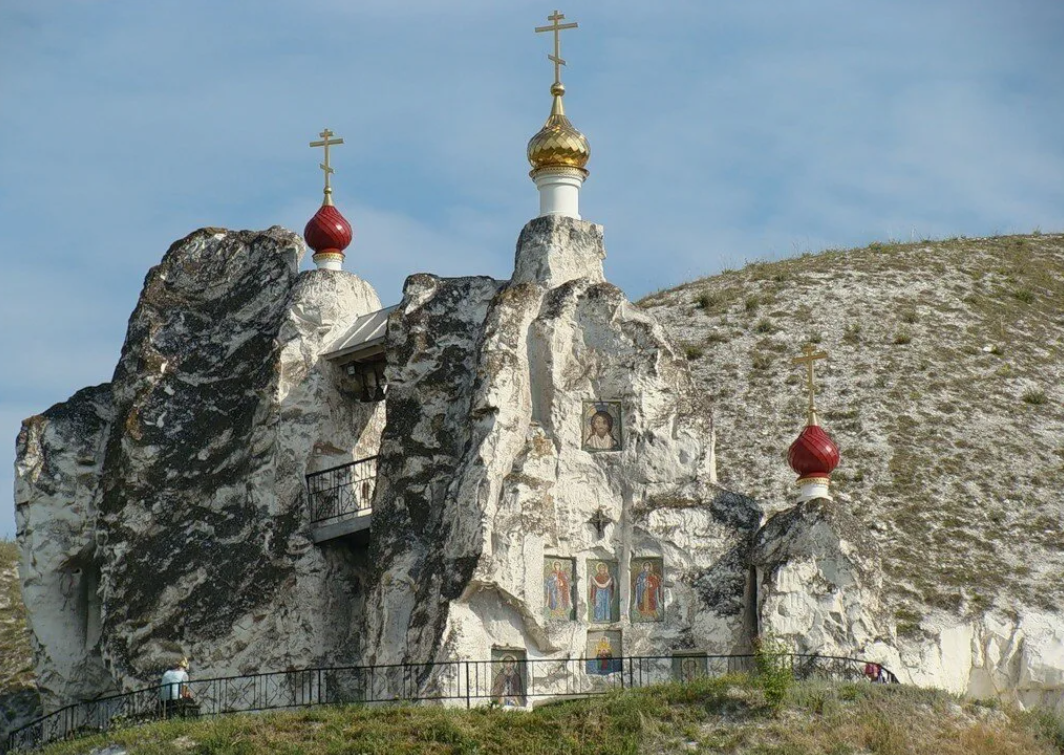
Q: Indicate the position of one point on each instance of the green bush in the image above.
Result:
(775, 673)
(1034, 396)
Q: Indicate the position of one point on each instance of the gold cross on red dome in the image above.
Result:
(326, 135)
(810, 355)
(556, 27)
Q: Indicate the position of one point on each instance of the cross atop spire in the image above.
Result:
(557, 28)
(325, 142)
(810, 355)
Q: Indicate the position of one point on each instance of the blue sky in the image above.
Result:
(721, 132)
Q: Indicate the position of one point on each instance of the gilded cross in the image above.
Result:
(557, 28)
(810, 355)
(326, 135)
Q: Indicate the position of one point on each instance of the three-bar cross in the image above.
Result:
(810, 355)
(325, 142)
(556, 27)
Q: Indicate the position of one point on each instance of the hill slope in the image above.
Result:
(721, 715)
(18, 696)
(943, 390)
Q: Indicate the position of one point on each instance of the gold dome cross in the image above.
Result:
(810, 355)
(325, 136)
(556, 27)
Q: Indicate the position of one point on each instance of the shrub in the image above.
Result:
(693, 352)
(761, 360)
(1034, 396)
(752, 303)
(853, 333)
(764, 325)
(1024, 295)
(902, 337)
(909, 316)
(708, 299)
(775, 674)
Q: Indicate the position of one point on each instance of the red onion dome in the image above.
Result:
(328, 232)
(814, 453)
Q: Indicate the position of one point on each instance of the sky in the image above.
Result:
(721, 133)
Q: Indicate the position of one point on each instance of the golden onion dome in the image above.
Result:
(558, 144)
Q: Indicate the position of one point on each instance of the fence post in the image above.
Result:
(467, 701)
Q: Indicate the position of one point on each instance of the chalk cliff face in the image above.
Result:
(491, 477)
(165, 513)
(545, 485)
(942, 388)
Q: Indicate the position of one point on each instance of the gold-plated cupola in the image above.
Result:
(558, 145)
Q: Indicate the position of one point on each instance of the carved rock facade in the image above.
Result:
(544, 483)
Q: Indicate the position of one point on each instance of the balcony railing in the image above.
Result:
(517, 683)
(342, 491)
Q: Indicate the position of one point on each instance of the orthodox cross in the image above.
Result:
(325, 142)
(556, 27)
(810, 355)
(599, 521)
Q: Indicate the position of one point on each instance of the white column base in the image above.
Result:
(813, 487)
(329, 261)
(559, 191)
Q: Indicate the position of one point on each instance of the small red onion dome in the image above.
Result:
(813, 454)
(328, 232)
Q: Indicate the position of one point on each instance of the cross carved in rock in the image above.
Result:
(599, 521)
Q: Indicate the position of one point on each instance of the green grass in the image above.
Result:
(729, 714)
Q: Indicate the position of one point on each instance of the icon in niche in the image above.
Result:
(558, 582)
(647, 595)
(601, 426)
(603, 601)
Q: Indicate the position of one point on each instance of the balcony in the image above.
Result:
(341, 500)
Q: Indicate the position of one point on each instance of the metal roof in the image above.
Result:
(365, 332)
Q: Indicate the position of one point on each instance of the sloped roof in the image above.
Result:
(365, 332)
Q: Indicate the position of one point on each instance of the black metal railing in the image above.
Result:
(513, 683)
(342, 491)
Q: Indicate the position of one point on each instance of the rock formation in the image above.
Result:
(545, 488)
(487, 477)
(164, 513)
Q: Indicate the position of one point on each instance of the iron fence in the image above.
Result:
(508, 683)
(343, 490)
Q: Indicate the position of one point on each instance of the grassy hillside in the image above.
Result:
(726, 715)
(16, 657)
(944, 389)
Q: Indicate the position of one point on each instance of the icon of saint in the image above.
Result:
(601, 660)
(602, 591)
(508, 688)
(557, 592)
(648, 592)
(601, 437)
